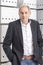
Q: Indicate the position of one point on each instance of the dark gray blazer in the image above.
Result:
(14, 37)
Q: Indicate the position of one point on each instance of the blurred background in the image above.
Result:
(9, 13)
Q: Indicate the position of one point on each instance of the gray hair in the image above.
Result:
(24, 6)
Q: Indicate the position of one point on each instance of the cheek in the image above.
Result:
(20, 15)
(27, 16)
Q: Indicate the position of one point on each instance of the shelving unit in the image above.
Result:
(9, 13)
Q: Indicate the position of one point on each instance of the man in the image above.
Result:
(24, 34)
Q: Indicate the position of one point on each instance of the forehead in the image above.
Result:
(24, 8)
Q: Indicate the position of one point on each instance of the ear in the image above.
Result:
(19, 13)
(30, 12)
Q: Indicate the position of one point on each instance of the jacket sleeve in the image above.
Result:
(40, 41)
(39, 35)
(7, 42)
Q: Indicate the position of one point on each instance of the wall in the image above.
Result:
(9, 13)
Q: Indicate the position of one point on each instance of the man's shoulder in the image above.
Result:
(34, 21)
(14, 22)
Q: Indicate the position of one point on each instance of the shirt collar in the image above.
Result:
(24, 24)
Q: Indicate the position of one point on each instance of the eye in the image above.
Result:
(21, 12)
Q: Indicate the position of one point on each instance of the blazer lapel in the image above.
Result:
(20, 31)
(33, 31)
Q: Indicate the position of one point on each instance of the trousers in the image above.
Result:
(29, 62)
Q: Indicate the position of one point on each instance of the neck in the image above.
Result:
(26, 22)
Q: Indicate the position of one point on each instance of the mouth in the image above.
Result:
(24, 18)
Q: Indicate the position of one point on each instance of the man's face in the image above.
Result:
(24, 14)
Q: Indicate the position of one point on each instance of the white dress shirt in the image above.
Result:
(27, 39)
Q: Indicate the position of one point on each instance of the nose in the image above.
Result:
(23, 14)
